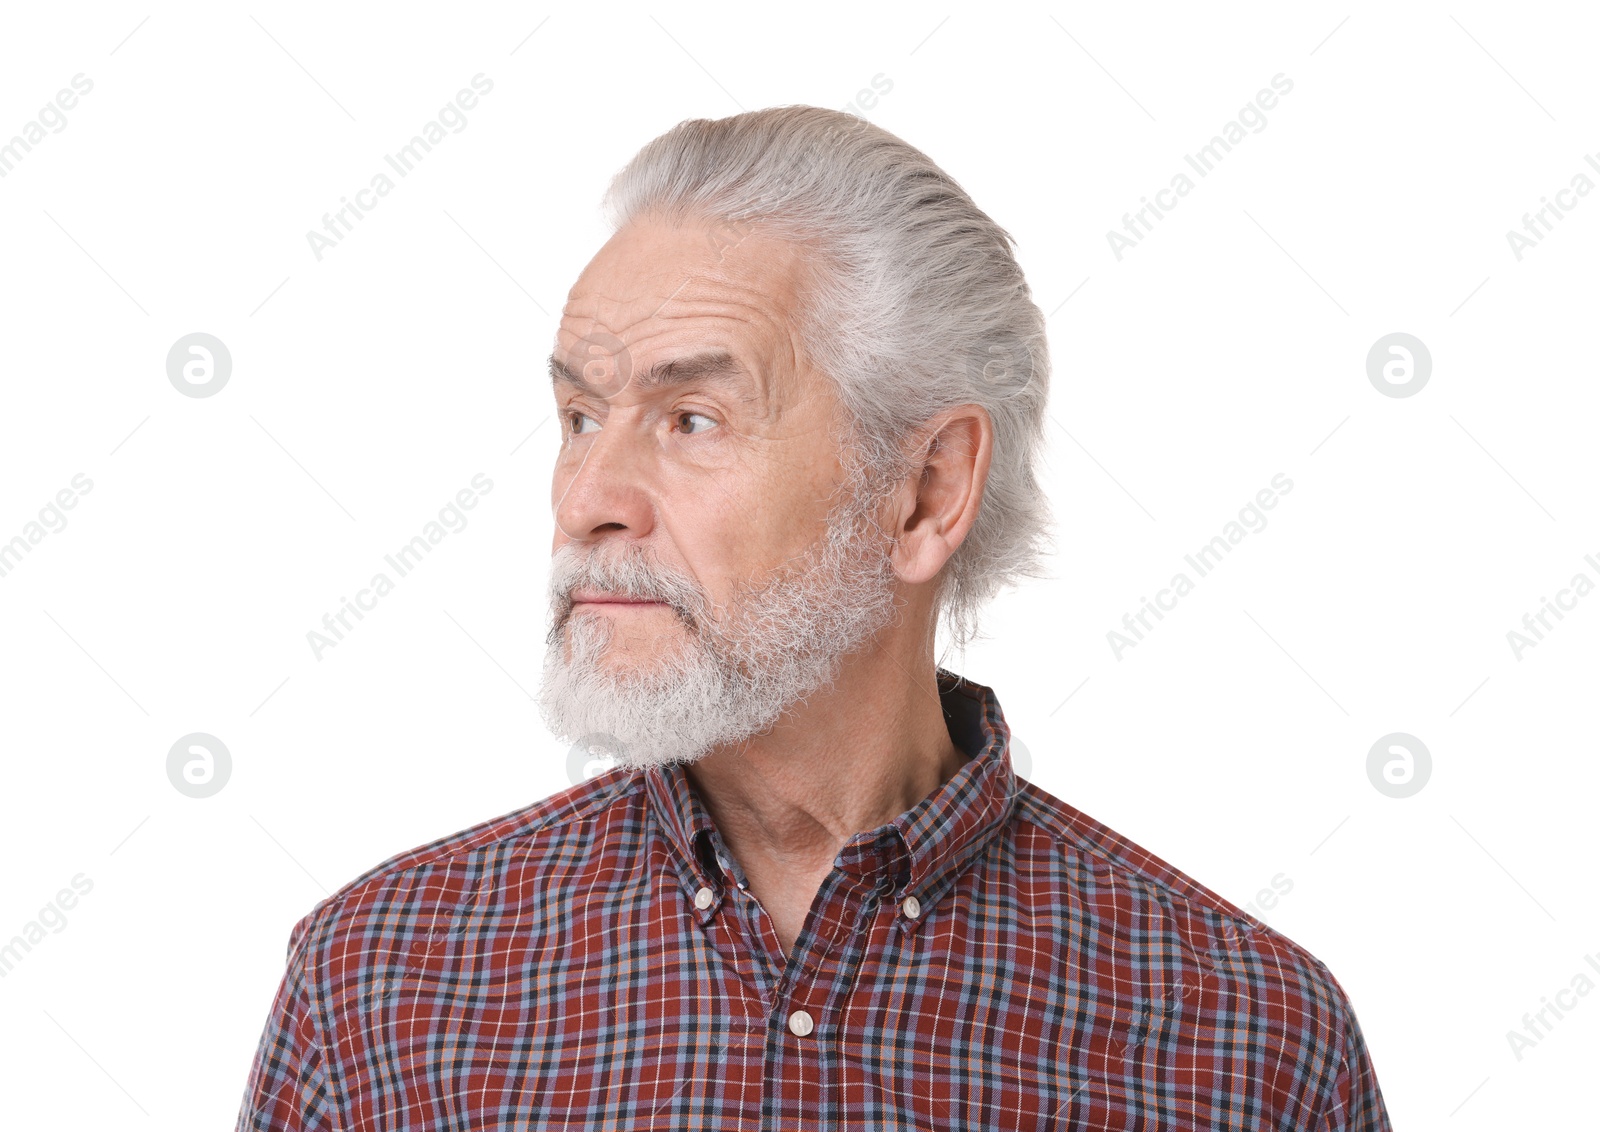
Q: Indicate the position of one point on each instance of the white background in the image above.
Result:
(370, 387)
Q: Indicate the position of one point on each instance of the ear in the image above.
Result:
(939, 507)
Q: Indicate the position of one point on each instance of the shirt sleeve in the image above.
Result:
(288, 1085)
(1352, 1102)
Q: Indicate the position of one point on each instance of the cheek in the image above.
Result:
(744, 520)
(718, 535)
(728, 542)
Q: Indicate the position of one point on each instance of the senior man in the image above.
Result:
(801, 393)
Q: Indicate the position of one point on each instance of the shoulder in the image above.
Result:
(1201, 952)
(423, 887)
(1097, 856)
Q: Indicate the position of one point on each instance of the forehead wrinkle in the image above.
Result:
(713, 291)
(762, 308)
(714, 366)
(750, 382)
(780, 347)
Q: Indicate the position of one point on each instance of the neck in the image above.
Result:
(851, 758)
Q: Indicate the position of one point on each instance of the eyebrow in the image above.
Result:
(715, 366)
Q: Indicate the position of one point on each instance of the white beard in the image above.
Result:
(719, 680)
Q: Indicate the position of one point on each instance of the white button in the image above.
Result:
(703, 898)
(911, 906)
(800, 1023)
(723, 861)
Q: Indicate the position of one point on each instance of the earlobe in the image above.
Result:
(956, 465)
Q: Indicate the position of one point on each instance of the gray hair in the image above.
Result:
(915, 304)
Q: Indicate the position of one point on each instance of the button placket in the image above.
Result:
(704, 895)
(909, 912)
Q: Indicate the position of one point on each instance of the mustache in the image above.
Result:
(631, 576)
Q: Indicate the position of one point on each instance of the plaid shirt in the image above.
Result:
(992, 958)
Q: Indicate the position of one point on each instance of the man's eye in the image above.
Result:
(573, 417)
(686, 415)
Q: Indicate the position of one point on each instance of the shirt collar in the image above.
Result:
(919, 853)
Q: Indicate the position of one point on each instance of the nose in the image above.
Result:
(600, 486)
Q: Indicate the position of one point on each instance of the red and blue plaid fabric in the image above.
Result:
(595, 961)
